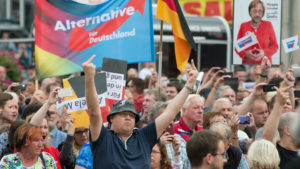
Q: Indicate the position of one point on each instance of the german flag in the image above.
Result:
(170, 12)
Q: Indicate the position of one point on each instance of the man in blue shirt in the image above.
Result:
(122, 146)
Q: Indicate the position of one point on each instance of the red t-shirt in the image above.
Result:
(183, 130)
(266, 37)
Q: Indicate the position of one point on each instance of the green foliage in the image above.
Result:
(13, 72)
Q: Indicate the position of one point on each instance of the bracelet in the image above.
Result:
(264, 76)
(191, 90)
(234, 138)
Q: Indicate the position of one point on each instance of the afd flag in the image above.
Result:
(290, 44)
(246, 42)
(67, 33)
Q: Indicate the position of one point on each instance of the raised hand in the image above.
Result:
(192, 75)
(282, 94)
(52, 99)
(89, 68)
(265, 66)
(258, 89)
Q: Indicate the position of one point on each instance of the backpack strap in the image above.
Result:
(43, 160)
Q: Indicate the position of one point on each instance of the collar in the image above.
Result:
(186, 128)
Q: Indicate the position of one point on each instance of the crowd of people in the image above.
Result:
(171, 126)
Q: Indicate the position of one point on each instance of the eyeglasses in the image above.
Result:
(222, 154)
(79, 132)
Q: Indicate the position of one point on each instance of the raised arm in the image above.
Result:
(271, 124)
(92, 98)
(246, 106)
(174, 107)
(38, 117)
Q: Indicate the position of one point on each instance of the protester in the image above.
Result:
(263, 154)
(8, 108)
(150, 98)
(39, 119)
(136, 86)
(191, 118)
(28, 143)
(69, 149)
(206, 150)
(159, 157)
(130, 144)
(287, 146)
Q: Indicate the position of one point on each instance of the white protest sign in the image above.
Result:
(290, 44)
(115, 84)
(80, 103)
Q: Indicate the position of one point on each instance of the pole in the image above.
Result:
(160, 58)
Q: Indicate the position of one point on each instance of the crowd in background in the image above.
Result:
(207, 130)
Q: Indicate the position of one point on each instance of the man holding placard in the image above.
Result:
(122, 146)
(262, 31)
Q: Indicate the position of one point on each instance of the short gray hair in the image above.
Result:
(222, 99)
(220, 90)
(285, 120)
(153, 112)
(155, 93)
(187, 101)
(222, 128)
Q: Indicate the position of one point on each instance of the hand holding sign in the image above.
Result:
(89, 68)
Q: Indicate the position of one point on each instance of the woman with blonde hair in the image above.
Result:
(263, 154)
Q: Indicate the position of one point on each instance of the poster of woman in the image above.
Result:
(256, 31)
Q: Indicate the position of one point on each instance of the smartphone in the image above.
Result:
(227, 74)
(198, 80)
(232, 82)
(269, 88)
(21, 87)
(170, 130)
(297, 93)
(244, 119)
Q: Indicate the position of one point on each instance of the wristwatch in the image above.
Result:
(191, 90)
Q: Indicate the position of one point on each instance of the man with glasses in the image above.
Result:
(206, 150)
(234, 155)
(264, 33)
(122, 146)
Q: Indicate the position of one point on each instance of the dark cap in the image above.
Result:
(123, 106)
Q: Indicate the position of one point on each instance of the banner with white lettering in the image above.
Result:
(68, 32)
(76, 104)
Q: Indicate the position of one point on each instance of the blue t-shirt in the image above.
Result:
(85, 157)
(109, 151)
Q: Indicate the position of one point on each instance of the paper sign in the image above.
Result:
(290, 44)
(249, 86)
(76, 105)
(246, 41)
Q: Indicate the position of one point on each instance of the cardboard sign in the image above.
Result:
(76, 105)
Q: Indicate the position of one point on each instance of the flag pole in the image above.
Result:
(160, 58)
(291, 58)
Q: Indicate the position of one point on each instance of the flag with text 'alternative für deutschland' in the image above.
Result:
(170, 12)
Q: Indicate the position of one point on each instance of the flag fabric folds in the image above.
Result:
(170, 12)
